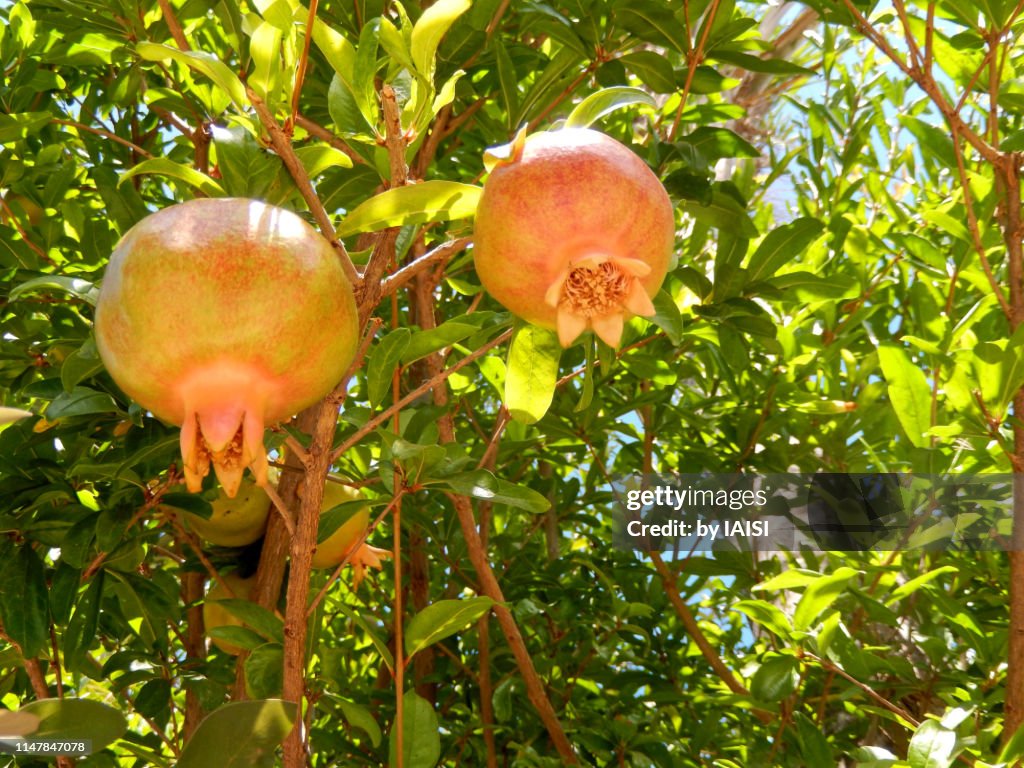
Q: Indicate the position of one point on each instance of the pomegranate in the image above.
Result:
(222, 316)
(573, 231)
(235, 522)
(334, 549)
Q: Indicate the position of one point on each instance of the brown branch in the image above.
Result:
(55, 654)
(105, 134)
(489, 585)
(694, 58)
(278, 503)
(318, 131)
(693, 629)
(24, 235)
(283, 147)
(756, 432)
(912, 47)
(174, 26)
(929, 39)
(973, 228)
(1008, 176)
(925, 81)
(301, 558)
(438, 255)
(871, 692)
(303, 63)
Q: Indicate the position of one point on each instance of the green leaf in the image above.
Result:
(819, 595)
(378, 643)
(361, 718)
(723, 213)
(781, 246)
(775, 679)
(481, 484)
(442, 619)
(814, 746)
(507, 79)
(421, 739)
(716, 143)
(654, 69)
(383, 362)
(805, 287)
(932, 746)
(73, 286)
(81, 630)
(424, 343)
(667, 316)
(81, 364)
(265, 49)
(256, 617)
(769, 66)
(249, 170)
(999, 368)
(75, 719)
(16, 127)
(532, 372)
(243, 734)
(430, 28)
(338, 51)
(318, 158)
(767, 615)
(1014, 748)
(264, 671)
(154, 697)
(652, 22)
(24, 601)
(607, 100)
(81, 401)
(413, 204)
(203, 62)
(909, 392)
(947, 224)
(910, 587)
(164, 167)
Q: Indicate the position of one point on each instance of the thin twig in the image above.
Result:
(360, 541)
(283, 147)
(438, 255)
(973, 228)
(300, 70)
(925, 81)
(174, 25)
(105, 134)
(281, 507)
(426, 386)
(693, 60)
(318, 131)
(24, 235)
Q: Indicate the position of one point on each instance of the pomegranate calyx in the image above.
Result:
(366, 557)
(596, 291)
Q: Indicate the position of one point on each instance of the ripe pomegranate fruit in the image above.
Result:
(235, 522)
(573, 231)
(333, 550)
(224, 315)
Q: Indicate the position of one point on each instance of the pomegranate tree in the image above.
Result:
(573, 231)
(223, 316)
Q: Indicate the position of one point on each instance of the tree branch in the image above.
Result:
(283, 147)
